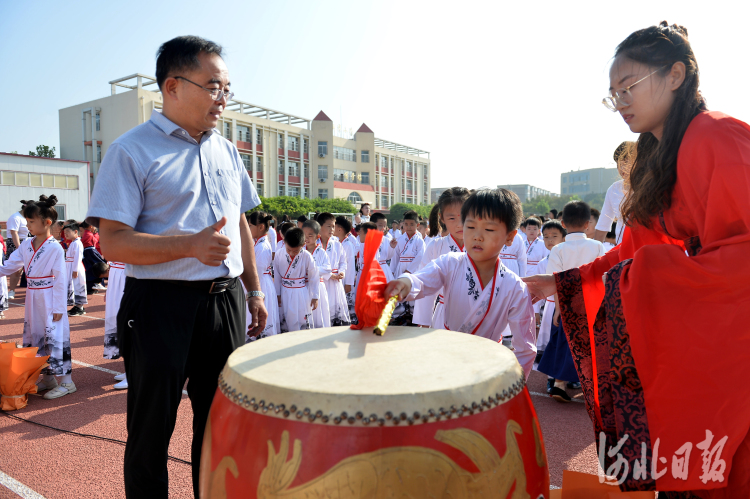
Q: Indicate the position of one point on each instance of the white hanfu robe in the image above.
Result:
(74, 263)
(514, 256)
(406, 259)
(115, 290)
(46, 294)
(4, 297)
(264, 265)
(549, 310)
(482, 309)
(536, 251)
(386, 254)
(337, 303)
(297, 283)
(429, 311)
(349, 246)
(322, 314)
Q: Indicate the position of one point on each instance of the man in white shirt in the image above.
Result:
(18, 233)
(615, 194)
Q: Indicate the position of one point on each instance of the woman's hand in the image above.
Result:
(540, 286)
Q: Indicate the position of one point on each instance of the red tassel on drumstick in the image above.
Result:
(371, 306)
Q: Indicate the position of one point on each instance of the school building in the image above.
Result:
(591, 181)
(284, 154)
(526, 191)
(28, 177)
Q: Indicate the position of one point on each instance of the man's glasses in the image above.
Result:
(623, 96)
(216, 93)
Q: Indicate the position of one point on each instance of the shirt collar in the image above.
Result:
(575, 237)
(170, 128)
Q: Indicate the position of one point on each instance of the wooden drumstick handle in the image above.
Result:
(385, 317)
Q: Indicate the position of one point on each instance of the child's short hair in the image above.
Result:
(396, 222)
(294, 237)
(411, 215)
(576, 213)
(100, 268)
(324, 217)
(595, 213)
(423, 223)
(302, 219)
(498, 204)
(554, 225)
(44, 208)
(375, 217)
(533, 221)
(523, 224)
(367, 226)
(345, 224)
(285, 227)
(612, 234)
(312, 224)
(71, 225)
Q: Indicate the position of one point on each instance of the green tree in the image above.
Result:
(294, 207)
(43, 151)
(397, 211)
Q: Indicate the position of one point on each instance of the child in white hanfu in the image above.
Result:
(322, 314)
(260, 230)
(409, 249)
(115, 290)
(481, 295)
(297, 283)
(429, 311)
(342, 231)
(337, 303)
(76, 275)
(386, 251)
(45, 325)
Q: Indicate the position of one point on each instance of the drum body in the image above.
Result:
(347, 414)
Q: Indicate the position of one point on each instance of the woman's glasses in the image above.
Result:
(623, 96)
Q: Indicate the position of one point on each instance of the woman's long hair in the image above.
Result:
(654, 171)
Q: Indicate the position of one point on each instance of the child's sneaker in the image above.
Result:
(122, 385)
(120, 377)
(60, 391)
(76, 311)
(41, 385)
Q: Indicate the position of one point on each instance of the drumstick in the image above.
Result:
(385, 317)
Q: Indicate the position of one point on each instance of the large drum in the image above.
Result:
(338, 413)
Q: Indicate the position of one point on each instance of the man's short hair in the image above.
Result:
(181, 54)
(595, 213)
(344, 224)
(411, 215)
(496, 204)
(377, 216)
(312, 224)
(556, 225)
(575, 214)
(324, 217)
(285, 227)
(294, 238)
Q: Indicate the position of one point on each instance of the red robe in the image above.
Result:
(671, 346)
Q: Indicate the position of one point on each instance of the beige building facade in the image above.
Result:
(284, 154)
(591, 181)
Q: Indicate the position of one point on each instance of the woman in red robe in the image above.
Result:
(658, 327)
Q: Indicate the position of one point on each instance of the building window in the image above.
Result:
(60, 209)
(364, 178)
(259, 165)
(26, 179)
(280, 140)
(565, 190)
(323, 193)
(293, 169)
(565, 180)
(227, 131)
(354, 198)
(243, 133)
(384, 201)
(247, 160)
(307, 193)
(98, 123)
(281, 167)
(281, 190)
(98, 154)
(344, 153)
(409, 167)
(305, 145)
(323, 172)
(425, 189)
(408, 185)
(259, 137)
(344, 175)
(322, 148)
(294, 192)
(294, 144)
(383, 181)
(365, 156)
(426, 170)
(383, 161)
(259, 188)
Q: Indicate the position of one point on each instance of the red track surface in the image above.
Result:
(58, 465)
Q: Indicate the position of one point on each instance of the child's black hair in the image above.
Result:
(423, 223)
(100, 268)
(71, 224)
(523, 224)
(595, 213)
(612, 234)
(302, 219)
(554, 224)
(497, 204)
(554, 213)
(294, 237)
(367, 226)
(375, 217)
(533, 221)
(396, 222)
(324, 217)
(312, 224)
(285, 227)
(44, 208)
(454, 195)
(344, 224)
(575, 214)
(260, 218)
(411, 215)
(434, 227)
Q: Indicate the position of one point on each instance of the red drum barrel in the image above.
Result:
(347, 414)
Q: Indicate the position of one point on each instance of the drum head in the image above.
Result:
(334, 374)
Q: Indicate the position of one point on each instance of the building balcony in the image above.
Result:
(293, 154)
(281, 152)
(259, 148)
(248, 146)
(307, 157)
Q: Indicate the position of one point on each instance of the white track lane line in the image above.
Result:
(18, 488)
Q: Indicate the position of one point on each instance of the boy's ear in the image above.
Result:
(511, 236)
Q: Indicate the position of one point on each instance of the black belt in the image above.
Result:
(218, 285)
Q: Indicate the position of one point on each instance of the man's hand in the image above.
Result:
(398, 287)
(56, 317)
(540, 286)
(258, 311)
(394, 243)
(75, 275)
(209, 246)
(347, 288)
(314, 303)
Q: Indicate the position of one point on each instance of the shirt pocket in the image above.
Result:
(229, 184)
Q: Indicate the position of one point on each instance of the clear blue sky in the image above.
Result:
(497, 92)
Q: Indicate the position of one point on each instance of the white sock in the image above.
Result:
(67, 378)
(47, 378)
(560, 384)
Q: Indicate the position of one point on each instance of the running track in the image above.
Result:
(37, 462)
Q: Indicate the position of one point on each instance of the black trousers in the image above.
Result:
(168, 334)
